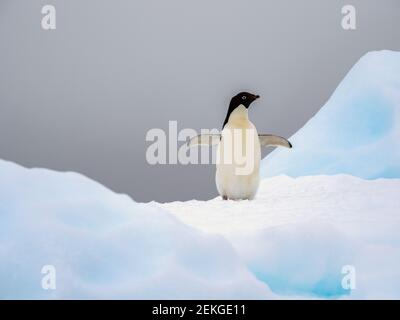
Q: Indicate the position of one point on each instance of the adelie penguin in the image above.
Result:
(239, 150)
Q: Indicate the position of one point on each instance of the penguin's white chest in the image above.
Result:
(238, 158)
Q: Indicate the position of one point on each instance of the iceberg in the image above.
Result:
(106, 246)
(326, 206)
(356, 132)
(293, 241)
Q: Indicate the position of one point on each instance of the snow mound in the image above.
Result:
(292, 241)
(104, 245)
(299, 233)
(356, 132)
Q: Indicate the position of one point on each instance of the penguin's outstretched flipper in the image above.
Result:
(273, 140)
(205, 139)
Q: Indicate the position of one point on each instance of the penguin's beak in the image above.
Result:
(256, 97)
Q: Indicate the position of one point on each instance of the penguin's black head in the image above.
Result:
(242, 98)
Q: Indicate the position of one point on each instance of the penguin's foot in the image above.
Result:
(224, 197)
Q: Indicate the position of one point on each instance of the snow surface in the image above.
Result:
(356, 132)
(299, 233)
(291, 242)
(104, 245)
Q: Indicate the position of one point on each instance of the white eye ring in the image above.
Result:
(243, 97)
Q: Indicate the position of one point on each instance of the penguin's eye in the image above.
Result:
(243, 97)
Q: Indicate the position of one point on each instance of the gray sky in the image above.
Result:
(83, 96)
